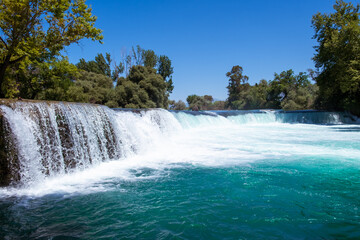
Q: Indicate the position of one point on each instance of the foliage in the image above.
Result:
(129, 95)
(196, 102)
(337, 57)
(39, 29)
(150, 58)
(166, 70)
(257, 97)
(206, 102)
(290, 91)
(218, 105)
(55, 79)
(238, 87)
(142, 88)
(286, 91)
(33, 32)
(91, 87)
(40, 79)
(179, 105)
(102, 65)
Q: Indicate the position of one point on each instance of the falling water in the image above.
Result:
(50, 139)
(86, 171)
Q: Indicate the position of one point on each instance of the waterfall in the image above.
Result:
(194, 119)
(45, 139)
(54, 138)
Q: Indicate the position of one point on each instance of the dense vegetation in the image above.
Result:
(34, 32)
(337, 74)
(147, 82)
(337, 57)
(288, 91)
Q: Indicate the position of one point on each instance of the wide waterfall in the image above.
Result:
(82, 171)
(49, 138)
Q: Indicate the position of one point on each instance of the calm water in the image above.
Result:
(205, 177)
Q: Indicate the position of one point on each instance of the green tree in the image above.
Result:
(289, 91)
(300, 98)
(142, 88)
(208, 98)
(238, 85)
(218, 105)
(166, 70)
(256, 96)
(129, 95)
(102, 65)
(54, 79)
(31, 79)
(337, 57)
(196, 103)
(179, 105)
(91, 87)
(150, 58)
(39, 28)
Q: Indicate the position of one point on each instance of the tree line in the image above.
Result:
(136, 82)
(197, 103)
(287, 91)
(35, 32)
(336, 76)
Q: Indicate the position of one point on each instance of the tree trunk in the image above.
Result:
(3, 68)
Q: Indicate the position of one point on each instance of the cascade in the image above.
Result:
(41, 139)
(44, 139)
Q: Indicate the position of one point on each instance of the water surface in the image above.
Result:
(247, 176)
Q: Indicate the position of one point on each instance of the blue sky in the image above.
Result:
(204, 39)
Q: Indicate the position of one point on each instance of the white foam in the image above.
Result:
(154, 142)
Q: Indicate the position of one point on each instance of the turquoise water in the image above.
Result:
(208, 178)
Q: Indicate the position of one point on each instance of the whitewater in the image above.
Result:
(181, 175)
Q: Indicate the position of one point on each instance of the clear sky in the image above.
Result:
(204, 39)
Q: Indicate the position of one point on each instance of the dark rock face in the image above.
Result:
(9, 162)
(4, 165)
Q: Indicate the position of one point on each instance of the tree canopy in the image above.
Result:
(151, 87)
(337, 57)
(150, 58)
(142, 87)
(206, 102)
(102, 65)
(166, 70)
(288, 91)
(32, 29)
(238, 84)
(34, 32)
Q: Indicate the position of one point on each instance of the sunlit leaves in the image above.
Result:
(41, 29)
(337, 57)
